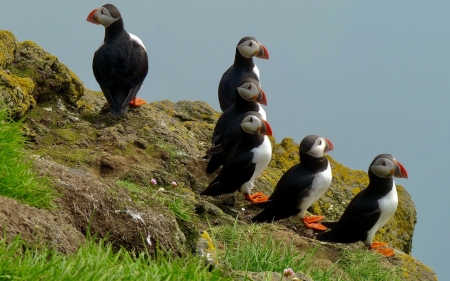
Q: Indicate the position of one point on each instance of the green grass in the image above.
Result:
(177, 204)
(361, 265)
(16, 178)
(97, 261)
(253, 248)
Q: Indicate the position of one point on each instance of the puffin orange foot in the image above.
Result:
(256, 197)
(376, 245)
(313, 218)
(381, 248)
(137, 102)
(313, 225)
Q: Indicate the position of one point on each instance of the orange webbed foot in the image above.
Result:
(381, 248)
(376, 245)
(313, 218)
(256, 197)
(312, 223)
(137, 102)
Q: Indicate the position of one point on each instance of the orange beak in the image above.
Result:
(262, 99)
(266, 130)
(329, 145)
(400, 171)
(92, 17)
(263, 53)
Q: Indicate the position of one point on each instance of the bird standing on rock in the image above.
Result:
(243, 67)
(246, 161)
(227, 131)
(370, 209)
(301, 185)
(120, 65)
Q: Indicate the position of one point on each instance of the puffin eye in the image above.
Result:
(384, 163)
(320, 142)
(251, 119)
(102, 12)
(249, 87)
(251, 44)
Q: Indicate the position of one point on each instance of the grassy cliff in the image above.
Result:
(101, 167)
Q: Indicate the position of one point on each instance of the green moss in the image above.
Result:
(8, 45)
(66, 134)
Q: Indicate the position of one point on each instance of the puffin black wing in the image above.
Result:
(120, 73)
(358, 218)
(287, 196)
(234, 173)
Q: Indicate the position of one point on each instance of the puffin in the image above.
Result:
(370, 209)
(301, 185)
(246, 161)
(227, 131)
(243, 67)
(120, 65)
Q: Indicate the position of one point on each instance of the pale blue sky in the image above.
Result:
(370, 76)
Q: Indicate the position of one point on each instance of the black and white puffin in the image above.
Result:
(120, 65)
(243, 67)
(227, 131)
(370, 209)
(301, 185)
(246, 161)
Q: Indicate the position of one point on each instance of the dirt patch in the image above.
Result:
(37, 227)
(99, 207)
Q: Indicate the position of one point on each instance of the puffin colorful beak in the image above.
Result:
(262, 99)
(328, 146)
(263, 53)
(92, 17)
(266, 129)
(400, 171)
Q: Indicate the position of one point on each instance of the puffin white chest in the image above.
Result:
(262, 112)
(261, 157)
(256, 71)
(387, 205)
(319, 186)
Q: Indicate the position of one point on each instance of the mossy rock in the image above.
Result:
(51, 78)
(8, 45)
(16, 93)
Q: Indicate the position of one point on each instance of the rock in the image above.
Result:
(34, 71)
(270, 276)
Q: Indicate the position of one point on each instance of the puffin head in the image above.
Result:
(105, 15)
(386, 166)
(249, 47)
(250, 89)
(253, 123)
(315, 146)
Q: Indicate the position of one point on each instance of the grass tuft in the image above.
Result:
(97, 261)
(362, 265)
(16, 178)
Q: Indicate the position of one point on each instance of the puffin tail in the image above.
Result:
(266, 215)
(215, 161)
(213, 189)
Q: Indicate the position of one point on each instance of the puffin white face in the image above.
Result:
(251, 124)
(249, 48)
(383, 167)
(248, 91)
(104, 17)
(254, 125)
(320, 146)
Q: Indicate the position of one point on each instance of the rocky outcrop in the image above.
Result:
(104, 165)
(29, 74)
